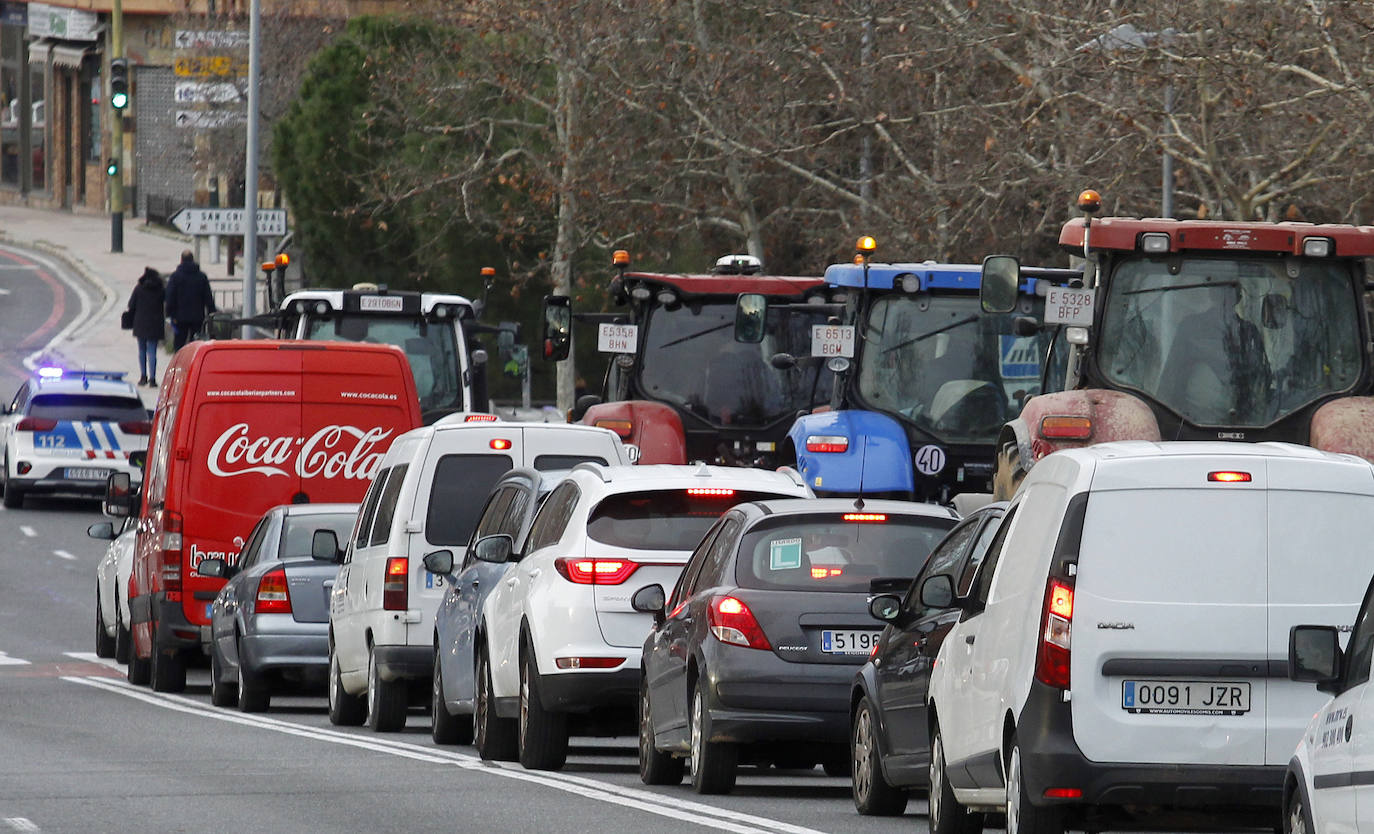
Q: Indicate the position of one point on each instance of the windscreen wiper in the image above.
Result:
(913, 340)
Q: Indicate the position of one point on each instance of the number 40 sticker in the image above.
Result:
(930, 460)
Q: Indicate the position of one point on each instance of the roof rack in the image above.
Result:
(598, 469)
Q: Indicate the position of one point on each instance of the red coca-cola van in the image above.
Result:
(241, 426)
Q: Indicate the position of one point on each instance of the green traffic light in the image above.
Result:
(112, 167)
(119, 100)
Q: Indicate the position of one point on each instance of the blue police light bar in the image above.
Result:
(931, 276)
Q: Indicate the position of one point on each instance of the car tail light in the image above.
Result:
(171, 551)
(273, 595)
(1052, 660)
(732, 622)
(624, 428)
(871, 518)
(499, 443)
(480, 418)
(827, 443)
(395, 585)
(136, 427)
(595, 571)
(588, 662)
(1229, 477)
(35, 424)
(1064, 427)
(711, 492)
(1063, 793)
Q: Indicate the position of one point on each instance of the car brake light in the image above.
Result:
(732, 622)
(1229, 477)
(822, 573)
(595, 571)
(171, 551)
(500, 444)
(873, 518)
(711, 492)
(136, 427)
(1052, 660)
(1063, 427)
(480, 418)
(273, 595)
(621, 427)
(827, 443)
(395, 590)
(35, 424)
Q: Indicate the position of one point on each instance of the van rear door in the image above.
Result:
(550, 448)
(1321, 524)
(1169, 656)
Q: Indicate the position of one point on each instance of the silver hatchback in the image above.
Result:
(270, 622)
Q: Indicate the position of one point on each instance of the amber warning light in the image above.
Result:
(1229, 477)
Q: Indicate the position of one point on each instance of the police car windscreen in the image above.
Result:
(87, 407)
(667, 519)
(828, 553)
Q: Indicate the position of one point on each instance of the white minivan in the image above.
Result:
(1121, 658)
(427, 495)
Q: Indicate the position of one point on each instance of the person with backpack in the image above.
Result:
(189, 299)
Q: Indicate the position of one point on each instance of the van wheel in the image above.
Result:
(344, 710)
(124, 641)
(493, 736)
(104, 643)
(655, 766)
(1022, 816)
(222, 693)
(254, 693)
(386, 700)
(873, 796)
(543, 734)
(946, 815)
(1297, 819)
(140, 671)
(713, 763)
(168, 670)
(445, 727)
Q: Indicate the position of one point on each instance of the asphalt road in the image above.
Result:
(81, 750)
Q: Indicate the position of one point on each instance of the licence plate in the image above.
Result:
(848, 641)
(1186, 697)
(86, 474)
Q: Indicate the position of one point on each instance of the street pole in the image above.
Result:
(250, 170)
(117, 137)
(1167, 187)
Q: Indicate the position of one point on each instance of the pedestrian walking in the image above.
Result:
(189, 299)
(146, 305)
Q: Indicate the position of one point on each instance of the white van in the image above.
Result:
(1122, 655)
(427, 495)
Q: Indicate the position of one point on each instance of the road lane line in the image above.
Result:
(62, 554)
(21, 824)
(658, 804)
(28, 531)
(6, 660)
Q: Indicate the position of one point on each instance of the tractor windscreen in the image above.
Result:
(431, 348)
(1231, 342)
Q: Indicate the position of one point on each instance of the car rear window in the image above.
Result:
(552, 463)
(87, 407)
(828, 553)
(299, 531)
(665, 519)
(460, 489)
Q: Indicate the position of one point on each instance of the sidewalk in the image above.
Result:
(79, 245)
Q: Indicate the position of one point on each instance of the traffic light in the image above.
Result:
(119, 83)
(112, 167)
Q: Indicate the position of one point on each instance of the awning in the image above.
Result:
(68, 56)
(38, 51)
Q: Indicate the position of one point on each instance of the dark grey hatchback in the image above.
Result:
(753, 653)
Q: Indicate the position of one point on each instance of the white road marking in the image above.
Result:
(92, 657)
(6, 660)
(21, 824)
(666, 806)
(62, 554)
(28, 531)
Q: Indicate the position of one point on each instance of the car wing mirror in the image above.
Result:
(119, 496)
(887, 608)
(1314, 656)
(101, 530)
(650, 600)
(938, 592)
(440, 562)
(496, 548)
(213, 567)
(324, 546)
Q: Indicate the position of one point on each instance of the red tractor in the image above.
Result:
(1199, 330)
(679, 386)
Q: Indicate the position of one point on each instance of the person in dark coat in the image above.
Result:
(189, 299)
(146, 303)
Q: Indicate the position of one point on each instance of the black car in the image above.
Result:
(890, 738)
(752, 656)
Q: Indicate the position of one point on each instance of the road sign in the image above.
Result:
(211, 92)
(209, 118)
(211, 39)
(211, 221)
(209, 66)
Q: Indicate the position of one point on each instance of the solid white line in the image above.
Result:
(62, 554)
(27, 530)
(21, 824)
(92, 657)
(658, 804)
(6, 660)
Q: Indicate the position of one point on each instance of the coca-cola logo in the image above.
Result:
(332, 452)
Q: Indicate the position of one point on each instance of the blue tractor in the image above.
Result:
(929, 381)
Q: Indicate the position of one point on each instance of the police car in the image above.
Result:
(66, 431)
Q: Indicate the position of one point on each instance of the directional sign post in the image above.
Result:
(210, 221)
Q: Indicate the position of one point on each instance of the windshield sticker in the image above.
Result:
(784, 554)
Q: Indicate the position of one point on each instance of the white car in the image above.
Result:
(1329, 785)
(112, 637)
(68, 431)
(558, 635)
